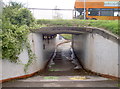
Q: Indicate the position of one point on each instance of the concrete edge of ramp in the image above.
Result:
(64, 78)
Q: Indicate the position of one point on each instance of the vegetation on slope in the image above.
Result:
(15, 23)
(67, 36)
(111, 25)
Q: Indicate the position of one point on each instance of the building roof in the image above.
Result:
(95, 4)
(95, 0)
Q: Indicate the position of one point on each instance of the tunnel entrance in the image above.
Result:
(62, 70)
(86, 43)
(65, 63)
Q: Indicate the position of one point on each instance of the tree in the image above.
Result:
(15, 28)
(17, 14)
(1, 7)
(14, 5)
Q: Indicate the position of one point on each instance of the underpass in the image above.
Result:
(63, 72)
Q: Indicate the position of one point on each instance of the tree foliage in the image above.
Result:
(17, 14)
(16, 21)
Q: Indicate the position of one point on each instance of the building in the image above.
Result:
(97, 9)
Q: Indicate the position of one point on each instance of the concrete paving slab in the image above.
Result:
(62, 84)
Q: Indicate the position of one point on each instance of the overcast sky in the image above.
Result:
(61, 4)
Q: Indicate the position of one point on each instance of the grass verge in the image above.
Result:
(67, 36)
(111, 25)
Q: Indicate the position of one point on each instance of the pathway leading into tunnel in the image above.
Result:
(64, 65)
(63, 74)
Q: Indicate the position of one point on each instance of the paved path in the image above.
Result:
(62, 74)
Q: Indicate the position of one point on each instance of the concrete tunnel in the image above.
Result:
(94, 48)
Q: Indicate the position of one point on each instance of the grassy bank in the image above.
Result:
(111, 25)
(67, 36)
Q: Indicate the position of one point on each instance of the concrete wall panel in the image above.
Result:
(10, 70)
(97, 53)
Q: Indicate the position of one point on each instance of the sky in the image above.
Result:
(51, 4)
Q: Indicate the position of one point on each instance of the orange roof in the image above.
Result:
(95, 0)
(93, 4)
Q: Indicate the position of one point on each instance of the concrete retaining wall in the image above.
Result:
(97, 53)
(11, 70)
